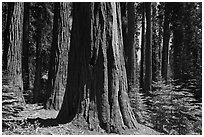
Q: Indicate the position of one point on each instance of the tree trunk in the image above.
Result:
(38, 66)
(97, 68)
(14, 64)
(131, 49)
(177, 48)
(142, 64)
(148, 50)
(6, 34)
(59, 56)
(25, 58)
(166, 36)
(156, 43)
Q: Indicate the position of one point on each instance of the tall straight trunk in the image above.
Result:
(166, 36)
(38, 66)
(177, 48)
(59, 56)
(131, 48)
(142, 67)
(97, 69)
(14, 64)
(155, 43)
(6, 35)
(25, 58)
(148, 50)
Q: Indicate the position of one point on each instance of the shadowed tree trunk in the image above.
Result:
(6, 34)
(177, 48)
(166, 36)
(97, 68)
(148, 50)
(37, 81)
(131, 48)
(57, 75)
(25, 58)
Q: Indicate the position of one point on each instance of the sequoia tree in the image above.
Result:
(6, 33)
(25, 58)
(14, 60)
(148, 49)
(57, 74)
(96, 72)
(166, 36)
(142, 64)
(131, 48)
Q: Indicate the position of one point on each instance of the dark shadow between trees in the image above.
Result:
(43, 122)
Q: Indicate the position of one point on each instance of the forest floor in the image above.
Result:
(28, 124)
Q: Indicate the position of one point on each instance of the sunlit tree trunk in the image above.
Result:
(14, 64)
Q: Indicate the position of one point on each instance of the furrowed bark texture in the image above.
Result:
(25, 58)
(142, 65)
(6, 35)
(166, 37)
(148, 50)
(57, 75)
(14, 65)
(131, 48)
(97, 68)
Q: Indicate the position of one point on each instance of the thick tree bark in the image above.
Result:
(6, 34)
(156, 43)
(59, 56)
(37, 82)
(131, 49)
(25, 58)
(166, 36)
(148, 50)
(14, 64)
(97, 68)
(142, 64)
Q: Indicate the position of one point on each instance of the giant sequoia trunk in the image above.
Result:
(25, 58)
(148, 50)
(97, 68)
(14, 64)
(57, 75)
(166, 37)
(6, 34)
(131, 48)
(38, 66)
(142, 64)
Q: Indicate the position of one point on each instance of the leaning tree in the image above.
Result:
(97, 79)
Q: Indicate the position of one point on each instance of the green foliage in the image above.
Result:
(172, 109)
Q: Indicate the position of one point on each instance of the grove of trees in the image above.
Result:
(115, 65)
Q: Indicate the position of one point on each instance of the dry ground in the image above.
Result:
(35, 113)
